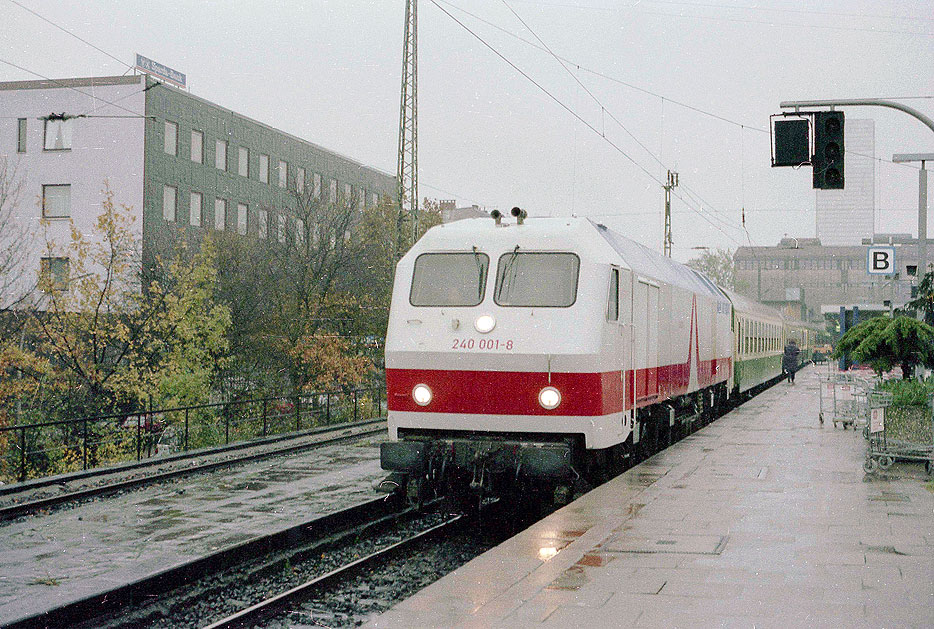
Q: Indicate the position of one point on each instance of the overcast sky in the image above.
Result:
(329, 71)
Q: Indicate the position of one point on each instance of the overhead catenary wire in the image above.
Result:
(604, 110)
(76, 36)
(714, 18)
(71, 87)
(564, 106)
(648, 92)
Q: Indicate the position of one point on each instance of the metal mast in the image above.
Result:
(407, 172)
(672, 183)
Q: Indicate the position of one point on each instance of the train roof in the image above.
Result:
(544, 232)
(648, 262)
(745, 305)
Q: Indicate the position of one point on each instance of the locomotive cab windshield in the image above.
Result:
(449, 279)
(541, 280)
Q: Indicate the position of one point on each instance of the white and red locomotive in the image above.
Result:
(534, 352)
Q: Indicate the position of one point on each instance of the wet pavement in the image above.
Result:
(48, 561)
(763, 518)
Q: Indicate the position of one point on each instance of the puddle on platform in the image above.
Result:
(162, 524)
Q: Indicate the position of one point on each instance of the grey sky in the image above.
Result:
(329, 71)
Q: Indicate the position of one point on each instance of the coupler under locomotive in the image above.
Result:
(468, 469)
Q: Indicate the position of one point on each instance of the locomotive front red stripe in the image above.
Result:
(516, 392)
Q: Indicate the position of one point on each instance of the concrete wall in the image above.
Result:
(826, 275)
(104, 149)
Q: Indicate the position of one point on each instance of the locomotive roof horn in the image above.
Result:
(520, 215)
(497, 216)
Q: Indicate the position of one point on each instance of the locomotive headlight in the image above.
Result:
(484, 323)
(549, 398)
(421, 394)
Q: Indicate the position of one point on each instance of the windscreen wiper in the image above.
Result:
(506, 269)
(476, 258)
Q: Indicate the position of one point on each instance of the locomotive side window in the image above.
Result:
(449, 279)
(612, 308)
(544, 280)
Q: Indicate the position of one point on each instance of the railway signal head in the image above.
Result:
(828, 150)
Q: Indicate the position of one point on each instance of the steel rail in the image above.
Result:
(277, 604)
(24, 508)
(140, 591)
(59, 479)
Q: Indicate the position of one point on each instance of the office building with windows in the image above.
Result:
(184, 165)
(845, 217)
(806, 279)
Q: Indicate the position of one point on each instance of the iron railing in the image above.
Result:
(55, 447)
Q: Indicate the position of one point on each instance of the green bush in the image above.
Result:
(909, 392)
(909, 417)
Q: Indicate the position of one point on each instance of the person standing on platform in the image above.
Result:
(790, 360)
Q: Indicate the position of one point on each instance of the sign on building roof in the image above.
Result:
(158, 70)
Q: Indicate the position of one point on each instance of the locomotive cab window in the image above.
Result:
(612, 307)
(449, 279)
(541, 280)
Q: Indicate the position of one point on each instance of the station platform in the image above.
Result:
(764, 518)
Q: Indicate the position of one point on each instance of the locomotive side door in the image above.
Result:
(619, 315)
(645, 341)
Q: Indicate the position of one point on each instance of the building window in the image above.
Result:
(53, 274)
(283, 173)
(300, 180)
(56, 201)
(243, 210)
(170, 141)
(21, 135)
(220, 214)
(244, 161)
(263, 168)
(263, 223)
(169, 199)
(332, 191)
(375, 199)
(58, 135)
(196, 200)
(348, 193)
(361, 198)
(220, 155)
(280, 228)
(317, 188)
(197, 147)
(299, 231)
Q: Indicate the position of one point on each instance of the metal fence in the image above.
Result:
(56, 447)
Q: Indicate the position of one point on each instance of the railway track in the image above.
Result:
(287, 601)
(135, 475)
(111, 608)
(270, 576)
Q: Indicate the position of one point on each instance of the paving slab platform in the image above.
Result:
(70, 554)
(762, 519)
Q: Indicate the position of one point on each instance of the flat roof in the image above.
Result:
(101, 81)
(93, 81)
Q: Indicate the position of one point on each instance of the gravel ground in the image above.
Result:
(360, 599)
(218, 596)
